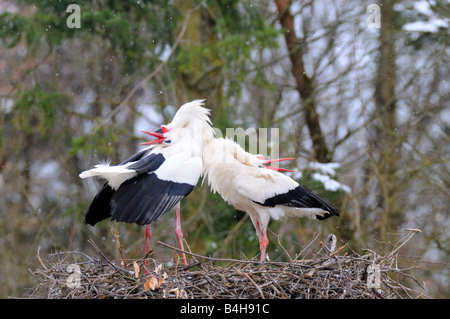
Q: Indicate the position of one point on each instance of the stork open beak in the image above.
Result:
(159, 137)
(278, 160)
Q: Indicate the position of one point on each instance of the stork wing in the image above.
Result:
(136, 157)
(144, 198)
(273, 188)
(100, 207)
(302, 197)
(147, 164)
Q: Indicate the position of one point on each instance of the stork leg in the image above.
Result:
(178, 231)
(148, 236)
(263, 240)
(263, 244)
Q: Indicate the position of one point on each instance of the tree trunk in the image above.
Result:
(202, 78)
(385, 140)
(305, 85)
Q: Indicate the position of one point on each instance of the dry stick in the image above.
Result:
(116, 268)
(103, 280)
(301, 252)
(207, 258)
(337, 251)
(281, 245)
(312, 286)
(39, 258)
(233, 231)
(252, 281)
(119, 246)
(407, 237)
(221, 259)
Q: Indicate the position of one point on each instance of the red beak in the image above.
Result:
(278, 160)
(280, 169)
(159, 138)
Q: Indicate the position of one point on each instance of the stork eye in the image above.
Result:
(167, 141)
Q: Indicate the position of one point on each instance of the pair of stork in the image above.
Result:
(155, 179)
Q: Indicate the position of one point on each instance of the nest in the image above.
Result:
(328, 273)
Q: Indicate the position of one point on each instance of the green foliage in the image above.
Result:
(125, 24)
(48, 27)
(242, 31)
(237, 33)
(136, 32)
(37, 110)
(55, 127)
(103, 142)
(15, 27)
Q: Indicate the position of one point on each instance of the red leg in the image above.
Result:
(148, 236)
(178, 231)
(263, 240)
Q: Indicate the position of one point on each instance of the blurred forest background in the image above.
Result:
(370, 104)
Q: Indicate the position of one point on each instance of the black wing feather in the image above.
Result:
(100, 207)
(146, 164)
(136, 157)
(302, 197)
(144, 198)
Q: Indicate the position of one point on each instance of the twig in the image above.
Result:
(252, 281)
(281, 245)
(119, 246)
(234, 231)
(39, 258)
(343, 278)
(104, 257)
(337, 251)
(312, 286)
(314, 239)
(406, 239)
(220, 259)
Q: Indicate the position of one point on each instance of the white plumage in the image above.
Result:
(156, 178)
(115, 175)
(243, 180)
(182, 143)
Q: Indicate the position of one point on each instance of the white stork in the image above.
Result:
(155, 179)
(243, 180)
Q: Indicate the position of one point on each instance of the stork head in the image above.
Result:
(191, 121)
(160, 136)
(194, 119)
